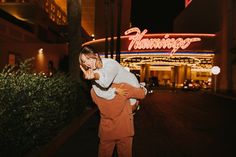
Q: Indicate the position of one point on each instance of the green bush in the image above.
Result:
(33, 108)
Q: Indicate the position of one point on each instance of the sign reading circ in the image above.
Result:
(138, 42)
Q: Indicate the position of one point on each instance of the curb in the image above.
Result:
(223, 95)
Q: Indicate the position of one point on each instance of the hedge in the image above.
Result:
(34, 107)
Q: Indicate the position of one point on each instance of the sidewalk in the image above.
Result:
(83, 143)
(71, 139)
(224, 94)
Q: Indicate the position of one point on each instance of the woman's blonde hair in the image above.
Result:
(90, 52)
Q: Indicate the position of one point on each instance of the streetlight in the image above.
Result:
(215, 70)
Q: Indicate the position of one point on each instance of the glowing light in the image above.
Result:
(20, 18)
(40, 60)
(196, 62)
(40, 51)
(215, 70)
(201, 70)
(137, 41)
(160, 68)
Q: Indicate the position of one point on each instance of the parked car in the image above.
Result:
(191, 85)
(187, 85)
(206, 85)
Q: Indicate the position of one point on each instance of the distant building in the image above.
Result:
(216, 17)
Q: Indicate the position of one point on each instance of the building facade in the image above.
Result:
(28, 27)
(170, 57)
(32, 26)
(217, 17)
(36, 28)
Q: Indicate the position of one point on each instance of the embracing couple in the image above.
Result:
(117, 93)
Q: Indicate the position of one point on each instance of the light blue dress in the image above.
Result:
(113, 72)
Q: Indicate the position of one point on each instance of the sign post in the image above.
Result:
(215, 70)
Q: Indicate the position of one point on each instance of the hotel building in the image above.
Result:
(203, 37)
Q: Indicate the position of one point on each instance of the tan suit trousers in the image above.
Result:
(123, 146)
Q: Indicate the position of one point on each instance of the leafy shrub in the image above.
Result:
(33, 108)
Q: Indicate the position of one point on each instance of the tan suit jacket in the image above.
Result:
(116, 115)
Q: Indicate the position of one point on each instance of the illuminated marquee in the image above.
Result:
(138, 42)
(195, 62)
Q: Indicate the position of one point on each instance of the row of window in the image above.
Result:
(55, 13)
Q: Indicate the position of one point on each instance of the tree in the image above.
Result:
(118, 30)
(74, 36)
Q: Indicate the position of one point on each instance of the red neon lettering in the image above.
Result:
(137, 41)
(187, 2)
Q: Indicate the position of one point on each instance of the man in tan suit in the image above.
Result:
(116, 124)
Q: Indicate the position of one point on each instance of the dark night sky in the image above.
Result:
(155, 15)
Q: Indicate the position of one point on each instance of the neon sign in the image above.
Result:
(187, 2)
(138, 42)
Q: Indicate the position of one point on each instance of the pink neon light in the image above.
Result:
(137, 41)
(187, 2)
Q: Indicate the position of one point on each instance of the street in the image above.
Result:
(170, 124)
(185, 124)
